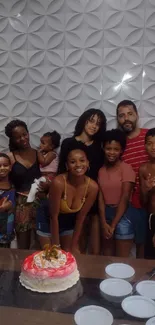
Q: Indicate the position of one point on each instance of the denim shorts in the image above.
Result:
(133, 224)
(124, 229)
(43, 221)
(62, 233)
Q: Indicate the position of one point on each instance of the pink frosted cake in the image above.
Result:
(51, 270)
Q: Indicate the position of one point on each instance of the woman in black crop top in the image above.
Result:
(90, 129)
(25, 168)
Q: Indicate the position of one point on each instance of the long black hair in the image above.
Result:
(9, 129)
(86, 116)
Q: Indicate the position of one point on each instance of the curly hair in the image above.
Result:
(115, 135)
(9, 129)
(55, 138)
(86, 116)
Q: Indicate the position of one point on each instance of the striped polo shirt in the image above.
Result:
(135, 154)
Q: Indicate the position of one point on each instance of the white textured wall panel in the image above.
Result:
(61, 57)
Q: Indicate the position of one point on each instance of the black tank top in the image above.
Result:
(22, 177)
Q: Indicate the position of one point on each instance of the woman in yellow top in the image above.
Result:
(71, 196)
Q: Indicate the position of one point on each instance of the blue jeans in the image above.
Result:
(133, 224)
(124, 229)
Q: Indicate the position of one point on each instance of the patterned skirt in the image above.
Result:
(25, 215)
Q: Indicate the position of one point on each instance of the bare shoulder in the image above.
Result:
(58, 182)
(93, 186)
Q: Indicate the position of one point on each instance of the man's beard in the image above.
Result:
(129, 129)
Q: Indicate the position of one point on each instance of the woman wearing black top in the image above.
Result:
(25, 168)
(90, 129)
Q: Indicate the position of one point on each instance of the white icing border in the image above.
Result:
(53, 290)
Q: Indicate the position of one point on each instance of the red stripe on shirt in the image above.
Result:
(135, 154)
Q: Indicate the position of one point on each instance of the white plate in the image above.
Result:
(120, 270)
(93, 315)
(139, 306)
(115, 289)
(146, 288)
(151, 321)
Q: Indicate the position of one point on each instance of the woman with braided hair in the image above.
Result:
(25, 168)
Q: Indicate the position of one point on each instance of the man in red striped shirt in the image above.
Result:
(135, 155)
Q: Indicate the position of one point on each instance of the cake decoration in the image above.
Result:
(51, 252)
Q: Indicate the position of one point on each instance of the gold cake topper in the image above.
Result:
(51, 251)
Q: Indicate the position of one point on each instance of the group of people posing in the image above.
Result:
(99, 192)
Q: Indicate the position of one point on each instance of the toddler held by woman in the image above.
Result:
(47, 155)
(48, 160)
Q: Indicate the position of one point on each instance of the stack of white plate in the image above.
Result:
(142, 305)
(115, 290)
(139, 306)
(93, 315)
(120, 271)
(146, 289)
(151, 321)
